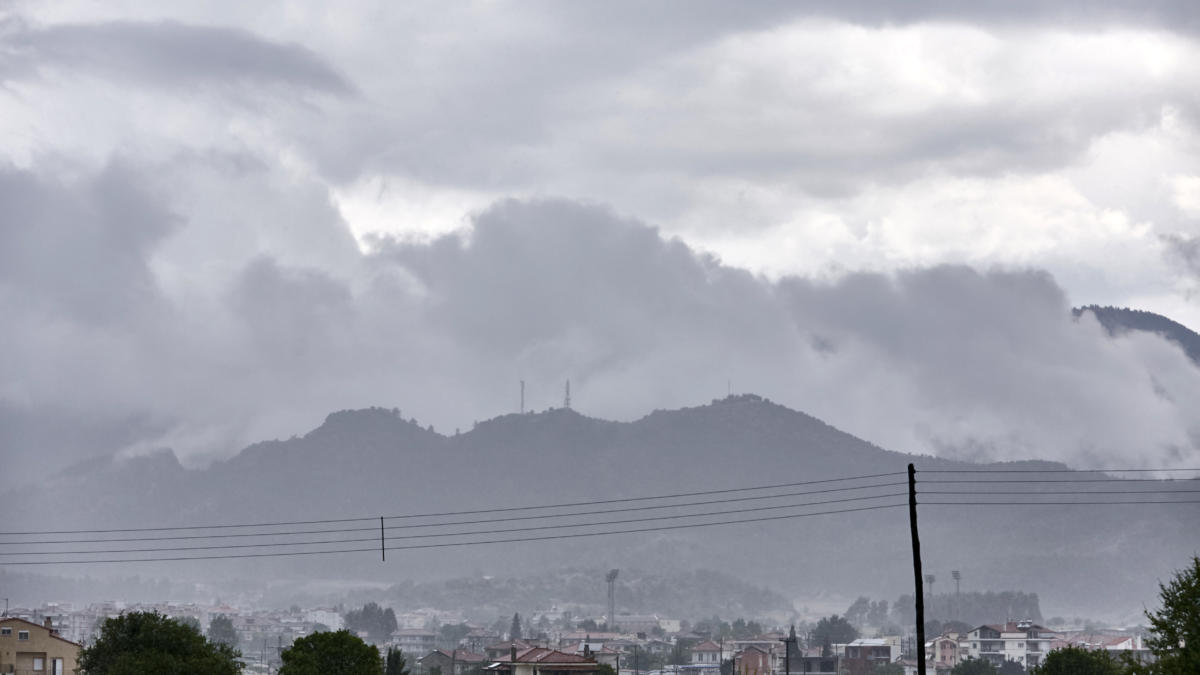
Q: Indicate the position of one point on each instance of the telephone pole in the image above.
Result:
(916, 550)
(789, 643)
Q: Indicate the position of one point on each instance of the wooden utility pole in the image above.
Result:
(917, 579)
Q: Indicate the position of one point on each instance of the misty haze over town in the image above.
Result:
(671, 338)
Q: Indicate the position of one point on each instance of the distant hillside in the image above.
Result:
(1118, 320)
(365, 463)
(683, 594)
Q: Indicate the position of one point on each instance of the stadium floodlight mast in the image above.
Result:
(957, 576)
(611, 578)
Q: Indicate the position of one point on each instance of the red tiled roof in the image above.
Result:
(544, 655)
(459, 655)
(707, 646)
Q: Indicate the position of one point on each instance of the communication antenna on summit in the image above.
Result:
(567, 396)
(522, 397)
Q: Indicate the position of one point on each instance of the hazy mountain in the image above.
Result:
(373, 462)
(1120, 320)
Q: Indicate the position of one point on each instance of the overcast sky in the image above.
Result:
(220, 221)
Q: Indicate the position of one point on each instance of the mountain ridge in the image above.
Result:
(371, 462)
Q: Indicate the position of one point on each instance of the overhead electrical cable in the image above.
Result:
(455, 513)
(466, 522)
(459, 544)
(463, 534)
(921, 471)
(1042, 503)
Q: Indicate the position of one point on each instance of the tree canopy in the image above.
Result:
(337, 653)
(1079, 661)
(394, 664)
(221, 631)
(1175, 628)
(377, 622)
(833, 630)
(148, 643)
(974, 667)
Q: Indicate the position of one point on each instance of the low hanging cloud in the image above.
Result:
(948, 360)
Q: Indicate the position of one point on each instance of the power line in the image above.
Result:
(466, 522)
(1058, 492)
(459, 534)
(456, 513)
(457, 544)
(1065, 503)
(1108, 479)
(1049, 470)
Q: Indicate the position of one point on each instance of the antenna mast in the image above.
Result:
(522, 397)
(567, 397)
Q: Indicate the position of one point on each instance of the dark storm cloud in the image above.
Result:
(1184, 250)
(946, 359)
(171, 54)
(80, 247)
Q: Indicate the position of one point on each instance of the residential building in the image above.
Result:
(457, 662)
(1024, 642)
(753, 660)
(414, 641)
(945, 651)
(707, 653)
(27, 647)
(864, 654)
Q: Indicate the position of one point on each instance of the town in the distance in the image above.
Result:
(592, 637)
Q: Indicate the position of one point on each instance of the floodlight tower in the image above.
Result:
(929, 579)
(957, 576)
(611, 578)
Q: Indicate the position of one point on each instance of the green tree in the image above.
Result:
(450, 634)
(377, 622)
(974, 667)
(514, 629)
(221, 631)
(888, 669)
(337, 653)
(394, 663)
(833, 630)
(680, 654)
(1079, 661)
(1011, 667)
(856, 613)
(1175, 628)
(148, 643)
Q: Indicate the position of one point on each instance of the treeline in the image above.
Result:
(681, 594)
(971, 608)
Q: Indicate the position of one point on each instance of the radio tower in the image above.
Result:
(522, 397)
(567, 396)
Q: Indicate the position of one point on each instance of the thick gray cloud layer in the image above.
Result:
(222, 222)
(945, 360)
